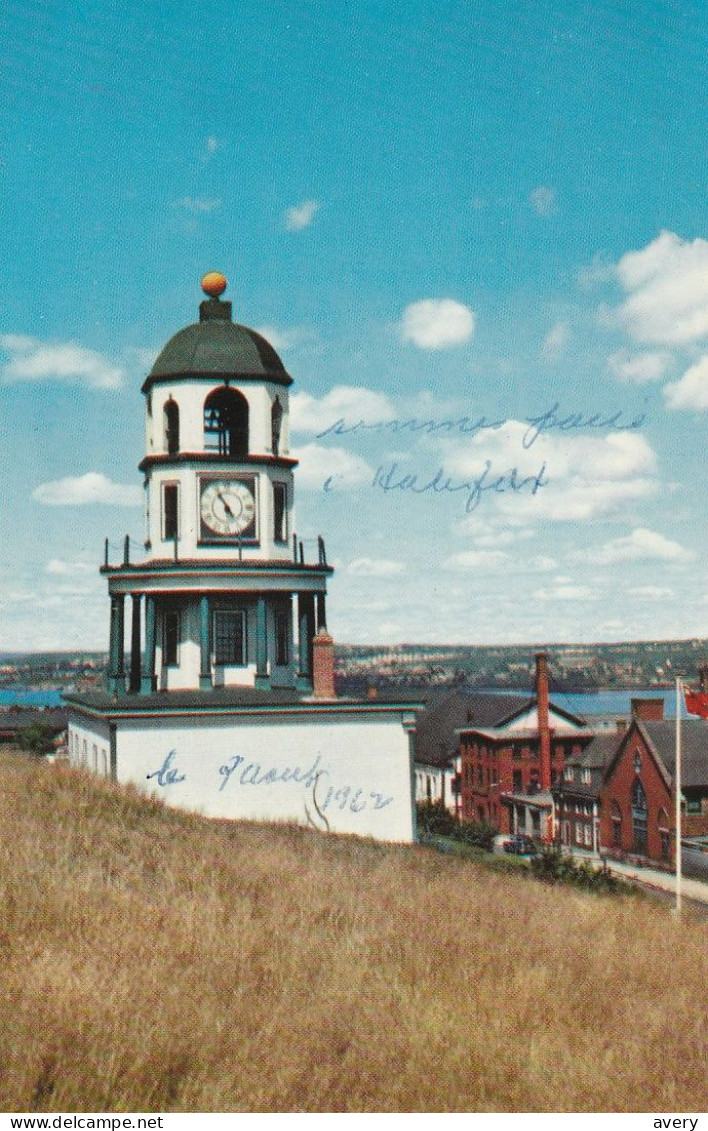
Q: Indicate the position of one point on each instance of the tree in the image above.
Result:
(37, 738)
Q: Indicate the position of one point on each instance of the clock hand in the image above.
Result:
(227, 508)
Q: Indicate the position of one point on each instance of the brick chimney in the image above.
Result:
(323, 666)
(544, 731)
(649, 710)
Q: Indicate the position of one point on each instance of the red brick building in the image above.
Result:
(507, 770)
(576, 793)
(637, 798)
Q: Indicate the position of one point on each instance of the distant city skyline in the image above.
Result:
(476, 235)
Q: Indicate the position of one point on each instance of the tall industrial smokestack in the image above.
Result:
(544, 731)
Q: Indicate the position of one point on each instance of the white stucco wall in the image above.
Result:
(354, 768)
(88, 745)
(435, 784)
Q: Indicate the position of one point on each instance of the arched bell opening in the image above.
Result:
(171, 426)
(226, 423)
(276, 423)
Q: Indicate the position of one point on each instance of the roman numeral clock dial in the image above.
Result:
(227, 508)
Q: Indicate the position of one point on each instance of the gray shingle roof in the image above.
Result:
(435, 741)
(694, 749)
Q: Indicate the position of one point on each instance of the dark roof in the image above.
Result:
(598, 753)
(222, 699)
(694, 748)
(15, 718)
(215, 348)
(435, 741)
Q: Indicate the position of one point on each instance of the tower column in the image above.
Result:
(306, 623)
(116, 668)
(205, 643)
(135, 657)
(261, 643)
(321, 613)
(147, 683)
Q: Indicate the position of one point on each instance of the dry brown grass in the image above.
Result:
(153, 961)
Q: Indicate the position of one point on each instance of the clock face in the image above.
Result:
(227, 507)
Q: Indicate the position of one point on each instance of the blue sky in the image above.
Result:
(436, 211)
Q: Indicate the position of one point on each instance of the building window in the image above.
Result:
(518, 783)
(637, 762)
(639, 817)
(282, 637)
(585, 777)
(170, 511)
(693, 805)
(170, 638)
(280, 494)
(226, 423)
(588, 837)
(276, 422)
(230, 637)
(569, 773)
(171, 420)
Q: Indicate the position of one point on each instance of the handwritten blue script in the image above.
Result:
(390, 479)
(255, 774)
(168, 774)
(552, 419)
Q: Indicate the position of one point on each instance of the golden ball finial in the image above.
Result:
(214, 284)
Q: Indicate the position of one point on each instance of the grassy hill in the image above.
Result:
(154, 961)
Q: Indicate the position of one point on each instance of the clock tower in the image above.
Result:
(226, 594)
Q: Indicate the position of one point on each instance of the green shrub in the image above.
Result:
(435, 820)
(552, 866)
(478, 833)
(37, 738)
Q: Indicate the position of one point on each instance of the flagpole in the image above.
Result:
(677, 785)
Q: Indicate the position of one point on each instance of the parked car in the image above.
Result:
(521, 845)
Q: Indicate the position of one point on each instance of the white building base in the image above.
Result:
(338, 766)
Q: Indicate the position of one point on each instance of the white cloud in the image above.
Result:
(666, 284)
(350, 403)
(640, 545)
(564, 593)
(555, 342)
(543, 200)
(284, 338)
(74, 491)
(212, 144)
(640, 367)
(600, 270)
(587, 476)
(199, 204)
(503, 538)
(301, 215)
(32, 360)
(691, 391)
(59, 568)
(651, 592)
(470, 560)
(375, 567)
(335, 467)
(434, 324)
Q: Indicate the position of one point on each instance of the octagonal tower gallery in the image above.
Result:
(225, 595)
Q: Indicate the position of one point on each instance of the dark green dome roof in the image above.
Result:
(217, 347)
